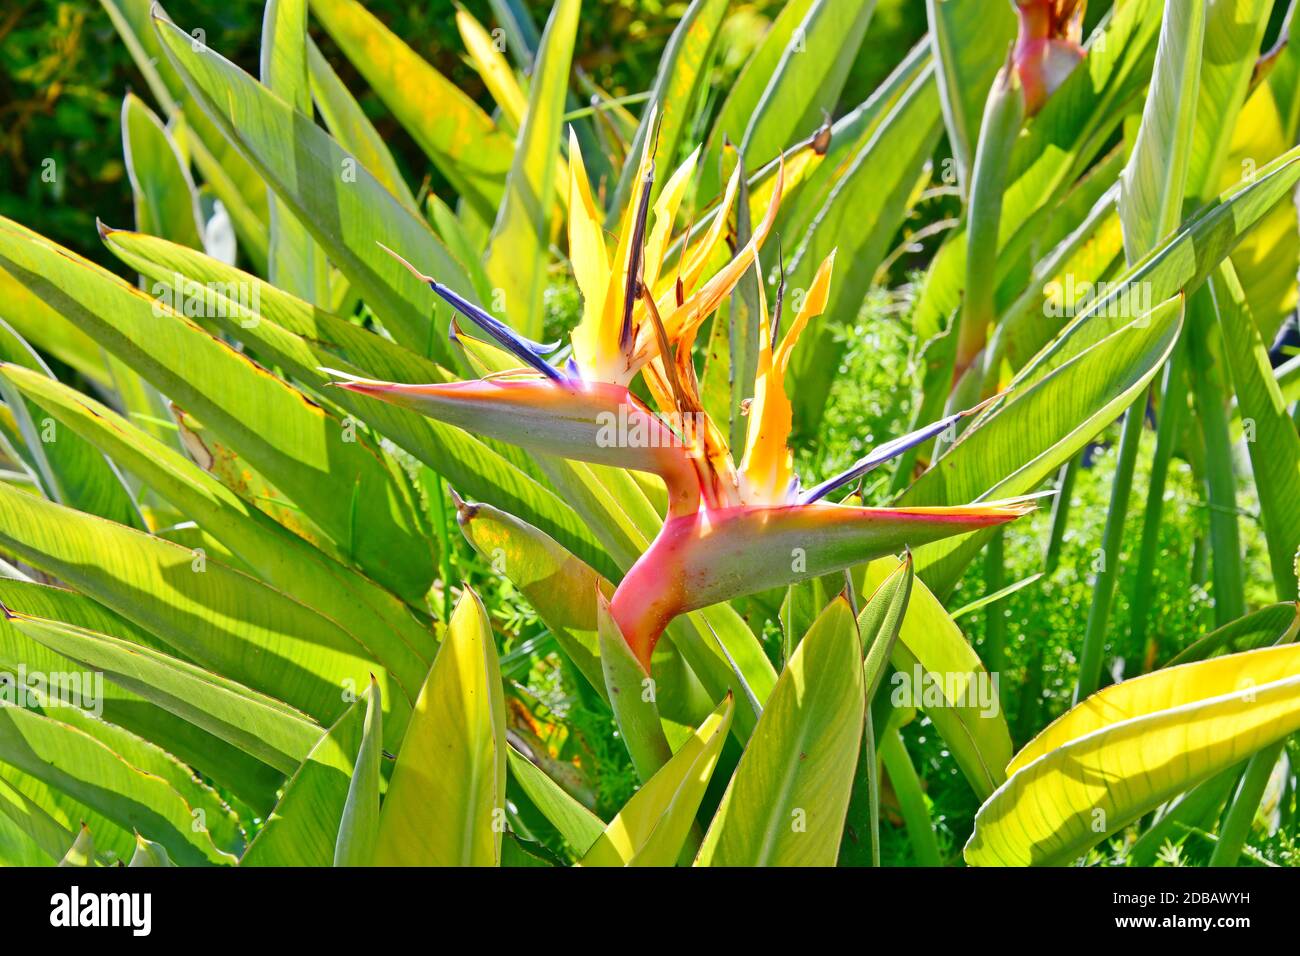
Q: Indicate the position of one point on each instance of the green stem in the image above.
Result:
(911, 799)
(1245, 804)
(433, 486)
(1225, 537)
(1003, 115)
(1060, 514)
(1173, 399)
(1094, 639)
(995, 624)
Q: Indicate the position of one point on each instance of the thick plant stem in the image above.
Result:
(1094, 639)
(1225, 537)
(1245, 804)
(1060, 514)
(995, 625)
(1003, 114)
(1173, 400)
(911, 799)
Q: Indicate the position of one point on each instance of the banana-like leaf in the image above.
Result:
(82, 851)
(217, 617)
(560, 587)
(655, 823)
(50, 332)
(28, 818)
(578, 825)
(348, 211)
(1041, 424)
(303, 339)
(1275, 624)
(859, 219)
(303, 828)
(971, 39)
(1234, 30)
(70, 470)
(446, 800)
(675, 94)
(461, 140)
(787, 802)
(359, 826)
(282, 558)
(1130, 747)
(1151, 187)
(743, 97)
(517, 249)
(1272, 442)
(166, 202)
(348, 124)
(296, 263)
(879, 623)
(931, 648)
(267, 729)
(230, 178)
(1266, 260)
(69, 759)
(631, 694)
(807, 82)
(354, 491)
(148, 853)
(249, 779)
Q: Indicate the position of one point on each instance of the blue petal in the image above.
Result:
(883, 453)
(526, 350)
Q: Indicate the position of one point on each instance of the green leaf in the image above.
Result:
(1273, 443)
(348, 124)
(350, 488)
(1044, 418)
(683, 72)
(166, 202)
(303, 828)
(70, 470)
(971, 39)
(348, 211)
(1151, 193)
(745, 93)
(445, 802)
(303, 338)
(1129, 748)
(461, 140)
(27, 816)
(517, 249)
(228, 766)
(359, 826)
(656, 822)
(82, 851)
(75, 763)
(631, 693)
(1269, 625)
(219, 618)
(931, 654)
(267, 729)
(282, 558)
(578, 825)
(859, 219)
(296, 263)
(808, 79)
(786, 804)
